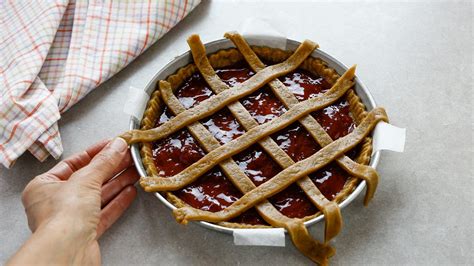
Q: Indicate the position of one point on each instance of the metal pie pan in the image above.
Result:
(215, 46)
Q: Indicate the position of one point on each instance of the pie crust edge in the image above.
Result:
(227, 57)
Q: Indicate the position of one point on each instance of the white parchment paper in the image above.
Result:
(388, 137)
(136, 102)
(260, 237)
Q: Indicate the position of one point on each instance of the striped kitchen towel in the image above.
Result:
(52, 53)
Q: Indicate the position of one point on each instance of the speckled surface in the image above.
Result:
(416, 58)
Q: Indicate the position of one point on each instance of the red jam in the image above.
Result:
(213, 191)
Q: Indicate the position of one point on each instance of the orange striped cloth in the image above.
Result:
(52, 53)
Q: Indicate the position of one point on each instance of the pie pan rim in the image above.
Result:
(214, 46)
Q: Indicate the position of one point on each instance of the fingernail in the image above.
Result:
(118, 144)
(63, 167)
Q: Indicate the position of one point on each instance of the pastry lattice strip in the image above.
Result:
(329, 208)
(361, 171)
(218, 86)
(289, 175)
(295, 227)
(252, 136)
(221, 100)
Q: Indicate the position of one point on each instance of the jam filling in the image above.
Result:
(213, 191)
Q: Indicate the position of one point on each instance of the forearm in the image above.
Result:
(53, 244)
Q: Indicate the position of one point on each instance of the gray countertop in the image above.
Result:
(416, 58)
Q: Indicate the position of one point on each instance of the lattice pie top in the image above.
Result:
(246, 146)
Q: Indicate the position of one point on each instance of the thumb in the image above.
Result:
(108, 162)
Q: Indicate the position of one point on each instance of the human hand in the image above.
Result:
(76, 201)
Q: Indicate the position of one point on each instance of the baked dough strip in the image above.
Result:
(289, 175)
(361, 171)
(217, 102)
(332, 214)
(318, 252)
(211, 159)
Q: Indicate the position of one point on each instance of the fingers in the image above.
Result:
(112, 159)
(64, 169)
(115, 209)
(114, 186)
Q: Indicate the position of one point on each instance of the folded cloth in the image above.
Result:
(52, 53)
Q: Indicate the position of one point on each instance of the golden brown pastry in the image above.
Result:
(220, 115)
